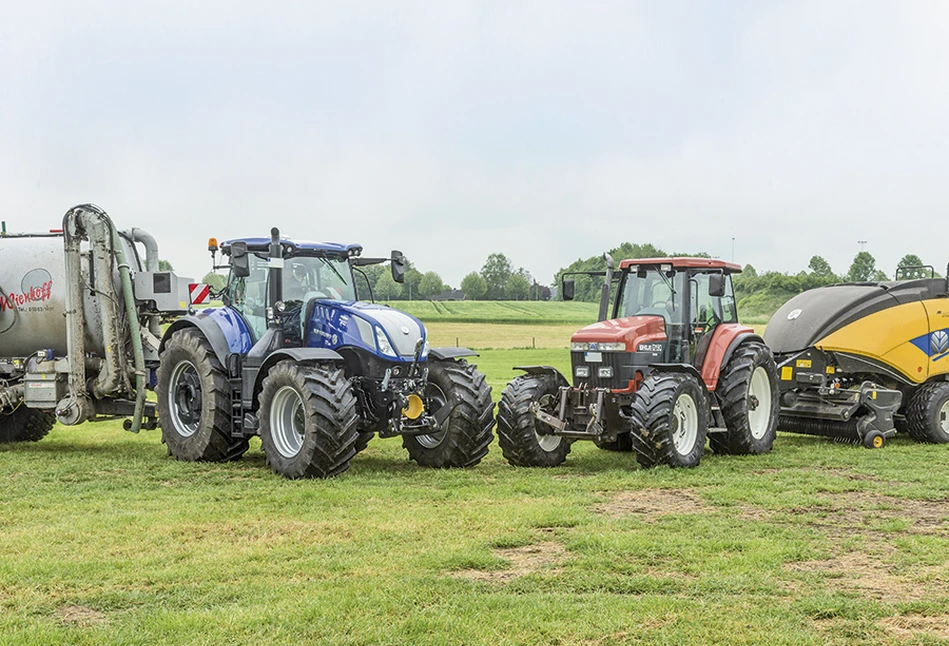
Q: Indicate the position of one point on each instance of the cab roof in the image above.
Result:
(298, 247)
(682, 262)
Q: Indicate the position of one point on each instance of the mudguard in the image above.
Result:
(451, 353)
(726, 340)
(211, 330)
(545, 370)
(685, 368)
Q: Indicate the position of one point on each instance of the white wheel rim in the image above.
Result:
(287, 422)
(944, 417)
(548, 442)
(685, 418)
(759, 403)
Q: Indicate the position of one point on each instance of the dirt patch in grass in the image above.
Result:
(915, 626)
(839, 472)
(539, 557)
(80, 616)
(653, 503)
(870, 574)
(856, 509)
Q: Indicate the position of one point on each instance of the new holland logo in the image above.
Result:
(939, 341)
(935, 344)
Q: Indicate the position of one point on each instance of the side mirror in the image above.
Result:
(240, 263)
(568, 287)
(716, 285)
(397, 265)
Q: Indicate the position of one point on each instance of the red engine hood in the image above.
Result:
(631, 330)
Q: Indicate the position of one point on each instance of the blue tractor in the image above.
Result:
(294, 357)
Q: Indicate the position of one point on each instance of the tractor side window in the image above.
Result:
(248, 295)
(729, 309)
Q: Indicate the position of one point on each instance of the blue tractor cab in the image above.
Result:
(294, 356)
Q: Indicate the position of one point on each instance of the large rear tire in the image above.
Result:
(464, 440)
(194, 404)
(748, 392)
(24, 424)
(670, 421)
(927, 414)
(307, 420)
(521, 436)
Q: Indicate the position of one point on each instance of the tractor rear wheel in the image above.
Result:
(307, 420)
(464, 440)
(669, 420)
(24, 424)
(194, 403)
(748, 392)
(521, 436)
(927, 413)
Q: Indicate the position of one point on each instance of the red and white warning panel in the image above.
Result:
(200, 293)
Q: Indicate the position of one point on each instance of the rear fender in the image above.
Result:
(224, 330)
(725, 340)
(545, 370)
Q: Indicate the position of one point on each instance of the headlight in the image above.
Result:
(582, 371)
(425, 350)
(383, 342)
(612, 347)
(605, 373)
(578, 347)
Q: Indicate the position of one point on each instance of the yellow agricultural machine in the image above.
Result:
(860, 361)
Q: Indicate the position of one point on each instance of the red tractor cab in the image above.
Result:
(670, 367)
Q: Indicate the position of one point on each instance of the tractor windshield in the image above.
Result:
(652, 293)
(307, 277)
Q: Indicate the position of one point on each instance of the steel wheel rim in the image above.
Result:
(685, 418)
(548, 442)
(759, 403)
(287, 422)
(437, 399)
(943, 417)
(185, 399)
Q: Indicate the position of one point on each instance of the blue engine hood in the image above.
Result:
(336, 324)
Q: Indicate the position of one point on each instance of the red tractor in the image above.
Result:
(670, 368)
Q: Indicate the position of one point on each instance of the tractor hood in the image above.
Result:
(631, 330)
(337, 323)
(812, 315)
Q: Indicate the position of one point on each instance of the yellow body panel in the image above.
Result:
(887, 336)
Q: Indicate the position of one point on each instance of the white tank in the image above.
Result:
(33, 296)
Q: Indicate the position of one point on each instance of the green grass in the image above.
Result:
(104, 539)
(512, 312)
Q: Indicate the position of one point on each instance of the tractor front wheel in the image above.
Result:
(748, 392)
(927, 413)
(521, 436)
(466, 431)
(194, 404)
(669, 420)
(307, 420)
(24, 424)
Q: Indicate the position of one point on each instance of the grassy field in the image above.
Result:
(104, 539)
(511, 312)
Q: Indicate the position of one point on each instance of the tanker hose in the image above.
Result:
(135, 331)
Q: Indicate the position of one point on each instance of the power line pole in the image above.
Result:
(861, 243)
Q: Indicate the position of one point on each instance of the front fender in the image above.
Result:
(442, 354)
(545, 370)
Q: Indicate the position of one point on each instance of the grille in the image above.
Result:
(621, 362)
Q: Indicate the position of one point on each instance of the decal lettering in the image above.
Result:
(34, 295)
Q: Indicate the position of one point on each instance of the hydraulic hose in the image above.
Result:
(135, 331)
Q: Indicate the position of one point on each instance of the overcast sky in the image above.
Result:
(546, 130)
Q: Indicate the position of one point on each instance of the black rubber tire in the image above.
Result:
(622, 444)
(24, 424)
(518, 429)
(874, 440)
(925, 413)
(362, 440)
(465, 440)
(734, 397)
(322, 405)
(210, 404)
(654, 422)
